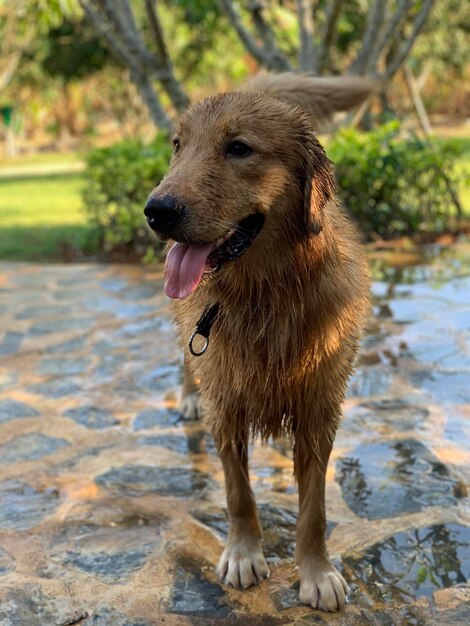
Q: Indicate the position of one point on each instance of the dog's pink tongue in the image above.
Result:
(184, 268)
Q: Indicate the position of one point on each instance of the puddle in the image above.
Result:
(415, 563)
(381, 480)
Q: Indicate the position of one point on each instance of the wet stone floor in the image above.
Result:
(112, 509)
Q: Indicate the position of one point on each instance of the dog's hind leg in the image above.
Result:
(321, 585)
(242, 562)
(190, 406)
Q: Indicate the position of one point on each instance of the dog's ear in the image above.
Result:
(318, 184)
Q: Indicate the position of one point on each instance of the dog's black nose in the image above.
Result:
(163, 213)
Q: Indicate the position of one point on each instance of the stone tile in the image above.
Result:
(381, 480)
(142, 327)
(161, 378)
(286, 597)
(7, 563)
(28, 606)
(142, 291)
(149, 418)
(444, 386)
(23, 507)
(459, 616)
(217, 520)
(62, 366)
(177, 482)
(55, 388)
(112, 567)
(92, 417)
(193, 595)
(71, 345)
(10, 343)
(29, 447)
(174, 443)
(46, 310)
(385, 415)
(61, 325)
(12, 409)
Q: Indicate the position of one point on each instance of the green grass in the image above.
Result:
(43, 158)
(41, 219)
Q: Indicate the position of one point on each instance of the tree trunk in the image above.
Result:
(149, 97)
(417, 101)
(305, 17)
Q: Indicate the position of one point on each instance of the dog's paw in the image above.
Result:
(322, 586)
(242, 565)
(190, 406)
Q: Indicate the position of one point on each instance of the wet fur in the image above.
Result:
(291, 313)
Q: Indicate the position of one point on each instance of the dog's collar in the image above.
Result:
(203, 328)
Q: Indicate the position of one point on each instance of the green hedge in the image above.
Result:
(390, 185)
(395, 186)
(118, 181)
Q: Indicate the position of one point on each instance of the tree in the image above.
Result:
(115, 21)
(15, 36)
(377, 43)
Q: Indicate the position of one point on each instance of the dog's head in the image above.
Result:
(246, 169)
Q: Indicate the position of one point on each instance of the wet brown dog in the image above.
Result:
(250, 202)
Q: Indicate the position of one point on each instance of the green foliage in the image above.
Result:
(118, 181)
(72, 51)
(395, 186)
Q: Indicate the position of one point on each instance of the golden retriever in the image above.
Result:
(267, 266)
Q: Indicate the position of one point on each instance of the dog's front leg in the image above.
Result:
(190, 406)
(321, 585)
(242, 562)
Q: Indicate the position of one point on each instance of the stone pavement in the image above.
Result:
(112, 510)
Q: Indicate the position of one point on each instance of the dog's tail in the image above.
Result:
(319, 96)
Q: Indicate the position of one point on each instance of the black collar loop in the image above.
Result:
(203, 328)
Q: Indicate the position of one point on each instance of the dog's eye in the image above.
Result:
(176, 144)
(238, 149)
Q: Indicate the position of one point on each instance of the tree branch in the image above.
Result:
(417, 101)
(332, 14)
(388, 33)
(405, 48)
(173, 88)
(6, 74)
(374, 24)
(108, 32)
(256, 7)
(156, 29)
(109, 28)
(151, 99)
(13, 45)
(305, 19)
(269, 61)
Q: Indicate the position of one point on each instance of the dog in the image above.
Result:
(269, 280)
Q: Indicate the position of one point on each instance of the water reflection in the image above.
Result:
(384, 479)
(415, 563)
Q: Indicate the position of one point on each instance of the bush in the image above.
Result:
(118, 181)
(394, 186)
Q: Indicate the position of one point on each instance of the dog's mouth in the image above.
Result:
(186, 264)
